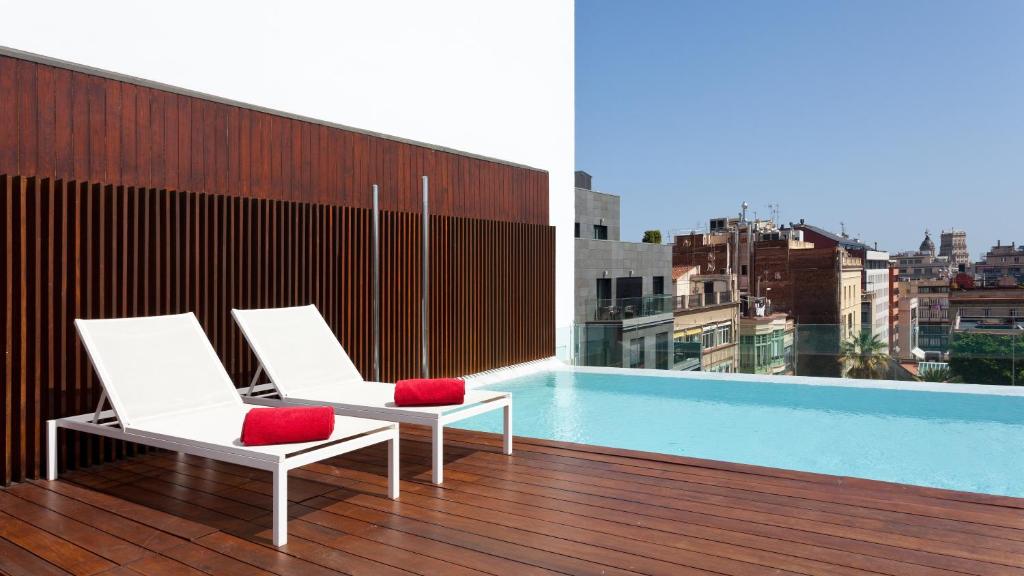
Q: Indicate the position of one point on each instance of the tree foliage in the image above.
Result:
(977, 358)
(963, 281)
(864, 356)
(936, 374)
(652, 237)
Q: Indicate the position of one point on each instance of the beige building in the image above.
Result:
(850, 295)
(706, 321)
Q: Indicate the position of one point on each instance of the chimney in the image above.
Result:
(583, 180)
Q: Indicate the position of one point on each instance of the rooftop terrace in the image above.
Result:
(553, 508)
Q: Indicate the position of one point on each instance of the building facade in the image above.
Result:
(908, 348)
(924, 264)
(875, 294)
(624, 299)
(932, 316)
(706, 323)
(895, 310)
(953, 246)
(767, 344)
(1003, 266)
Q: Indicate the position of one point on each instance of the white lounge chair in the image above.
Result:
(167, 389)
(307, 365)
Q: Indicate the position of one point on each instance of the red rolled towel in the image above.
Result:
(264, 426)
(430, 391)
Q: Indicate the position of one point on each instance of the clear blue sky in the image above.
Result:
(889, 115)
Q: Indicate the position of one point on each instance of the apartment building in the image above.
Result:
(997, 310)
(924, 264)
(875, 302)
(726, 247)
(933, 315)
(1002, 266)
(624, 300)
(706, 321)
(767, 344)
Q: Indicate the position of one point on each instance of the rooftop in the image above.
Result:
(553, 508)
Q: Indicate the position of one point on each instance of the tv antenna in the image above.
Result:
(774, 207)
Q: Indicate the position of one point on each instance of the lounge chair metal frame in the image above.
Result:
(436, 417)
(107, 423)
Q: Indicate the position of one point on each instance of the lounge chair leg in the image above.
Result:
(438, 471)
(508, 430)
(280, 506)
(393, 467)
(51, 449)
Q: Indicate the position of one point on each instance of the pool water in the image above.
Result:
(972, 442)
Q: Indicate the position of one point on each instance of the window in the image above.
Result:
(661, 348)
(743, 270)
(604, 288)
(577, 229)
(600, 232)
(723, 335)
(707, 338)
(636, 353)
(659, 284)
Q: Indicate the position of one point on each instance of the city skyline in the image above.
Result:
(890, 118)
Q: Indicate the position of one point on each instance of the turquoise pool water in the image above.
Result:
(972, 442)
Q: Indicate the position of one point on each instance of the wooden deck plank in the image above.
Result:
(119, 526)
(553, 508)
(621, 489)
(17, 561)
(53, 549)
(891, 544)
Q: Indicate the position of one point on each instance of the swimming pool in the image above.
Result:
(954, 438)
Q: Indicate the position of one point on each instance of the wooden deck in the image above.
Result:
(551, 508)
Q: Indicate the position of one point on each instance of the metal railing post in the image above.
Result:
(376, 283)
(425, 303)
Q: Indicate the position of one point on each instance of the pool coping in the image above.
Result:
(554, 365)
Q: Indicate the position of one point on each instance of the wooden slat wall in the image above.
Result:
(64, 124)
(76, 249)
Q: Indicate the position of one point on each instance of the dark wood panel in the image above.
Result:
(69, 125)
(75, 249)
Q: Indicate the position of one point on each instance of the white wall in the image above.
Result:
(492, 78)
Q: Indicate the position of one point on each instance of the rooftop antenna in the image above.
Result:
(774, 207)
(842, 226)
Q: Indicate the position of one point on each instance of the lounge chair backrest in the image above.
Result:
(296, 347)
(156, 366)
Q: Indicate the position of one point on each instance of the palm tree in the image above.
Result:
(865, 356)
(936, 374)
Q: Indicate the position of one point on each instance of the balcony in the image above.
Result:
(703, 300)
(620, 309)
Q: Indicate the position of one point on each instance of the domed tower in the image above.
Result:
(927, 246)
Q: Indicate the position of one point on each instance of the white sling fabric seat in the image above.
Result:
(306, 364)
(167, 388)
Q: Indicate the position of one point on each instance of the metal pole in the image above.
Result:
(376, 283)
(425, 303)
